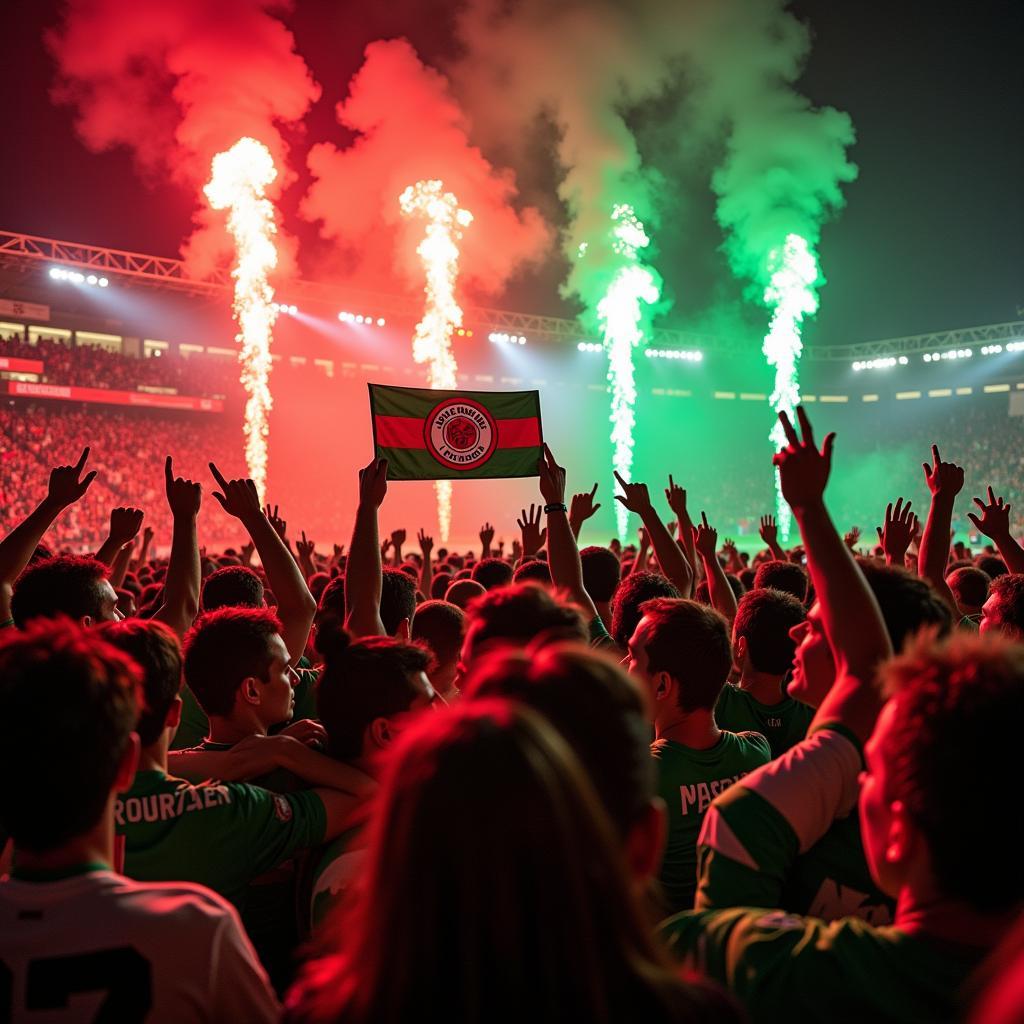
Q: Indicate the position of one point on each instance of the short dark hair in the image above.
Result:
(747, 578)
(908, 603)
(66, 585)
(785, 576)
(521, 613)
(689, 641)
(87, 694)
(764, 618)
(397, 599)
(439, 584)
(363, 680)
(234, 586)
(533, 571)
(492, 572)
(222, 649)
(948, 697)
(600, 573)
(440, 625)
(317, 584)
(630, 594)
(969, 585)
(993, 566)
(330, 609)
(1009, 588)
(464, 592)
(156, 650)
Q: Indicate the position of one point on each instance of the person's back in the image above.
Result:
(79, 942)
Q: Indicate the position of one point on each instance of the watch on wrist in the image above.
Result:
(555, 506)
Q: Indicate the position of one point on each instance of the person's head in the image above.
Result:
(67, 585)
(908, 604)
(397, 602)
(630, 594)
(157, 652)
(369, 690)
(330, 609)
(318, 583)
(126, 603)
(991, 565)
(947, 698)
(236, 665)
(612, 740)
(600, 573)
(517, 615)
(441, 626)
(1003, 610)
(462, 593)
(439, 584)
(234, 586)
(533, 571)
(784, 576)
(680, 649)
(761, 638)
(970, 589)
(492, 572)
(85, 694)
(540, 918)
(747, 578)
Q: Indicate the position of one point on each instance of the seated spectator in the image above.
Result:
(70, 926)
(441, 627)
(450, 788)
(680, 650)
(784, 576)
(763, 655)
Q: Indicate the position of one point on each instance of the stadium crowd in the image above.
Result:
(659, 783)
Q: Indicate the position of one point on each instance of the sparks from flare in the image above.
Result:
(238, 183)
(432, 341)
(791, 296)
(620, 315)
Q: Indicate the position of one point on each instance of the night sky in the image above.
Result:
(932, 236)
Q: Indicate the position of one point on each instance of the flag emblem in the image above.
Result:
(460, 433)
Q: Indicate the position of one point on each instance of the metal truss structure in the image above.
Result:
(29, 252)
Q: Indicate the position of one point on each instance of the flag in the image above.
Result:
(456, 435)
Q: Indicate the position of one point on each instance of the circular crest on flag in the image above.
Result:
(460, 433)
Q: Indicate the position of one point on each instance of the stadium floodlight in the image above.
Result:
(502, 338)
(381, 321)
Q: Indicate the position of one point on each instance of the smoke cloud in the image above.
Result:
(408, 127)
(177, 81)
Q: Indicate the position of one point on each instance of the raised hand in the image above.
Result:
(486, 535)
(248, 549)
(676, 498)
(279, 525)
(125, 523)
(850, 539)
(769, 530)
(635, 497)
(307, 732)
(239, 498)
(183, 496)
(373, 483)
(339, 550)
(900, 527)
(582, 507)
(517, 550)
(729, 548)
(147, 536)
(803, 470)
(385, 547)
(995, 517)
(533, 535)
(67, 485)
(945, 479)
(705, 539)
(426, 544)
(398, 538)
(305, 548)
(552, 479)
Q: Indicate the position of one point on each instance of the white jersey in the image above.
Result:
(100, 948)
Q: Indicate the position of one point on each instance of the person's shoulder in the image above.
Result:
(752, 744)
(168, 899)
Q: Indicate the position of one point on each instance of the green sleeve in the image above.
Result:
(194, 726)
(305, 694)
(599, 636)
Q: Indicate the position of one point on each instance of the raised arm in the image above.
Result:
(676, 497)
(66, 486)
(769, 531)
(533, 536)
(563, 555)
(140, 559)
(670, 555)
(850, 614)
(486, 537)
(184, 572)
(363, 572)
(119, 567)
(705, 540)
(945, 480)
(124, 525)
(995, 524)
(427, 568)
(897, 533)
(581, 508)
(295, 604)
(305, 551)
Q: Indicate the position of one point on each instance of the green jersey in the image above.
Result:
(788, 836)
(219, 834)
(194, 726)
(688, 781)
(781, 724)
(336, 867)
(786, 968)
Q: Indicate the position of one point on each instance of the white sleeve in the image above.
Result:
(239, 989)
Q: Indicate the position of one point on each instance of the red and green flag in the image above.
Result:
(455, 435)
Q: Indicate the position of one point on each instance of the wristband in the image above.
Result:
(556, 506)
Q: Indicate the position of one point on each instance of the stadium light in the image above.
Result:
(363, 319)
(687, 355)
(75, 277)
(589, 346)
(882, 363)
(501, 338)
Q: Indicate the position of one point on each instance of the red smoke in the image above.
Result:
(410, 128)
(178, 81)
